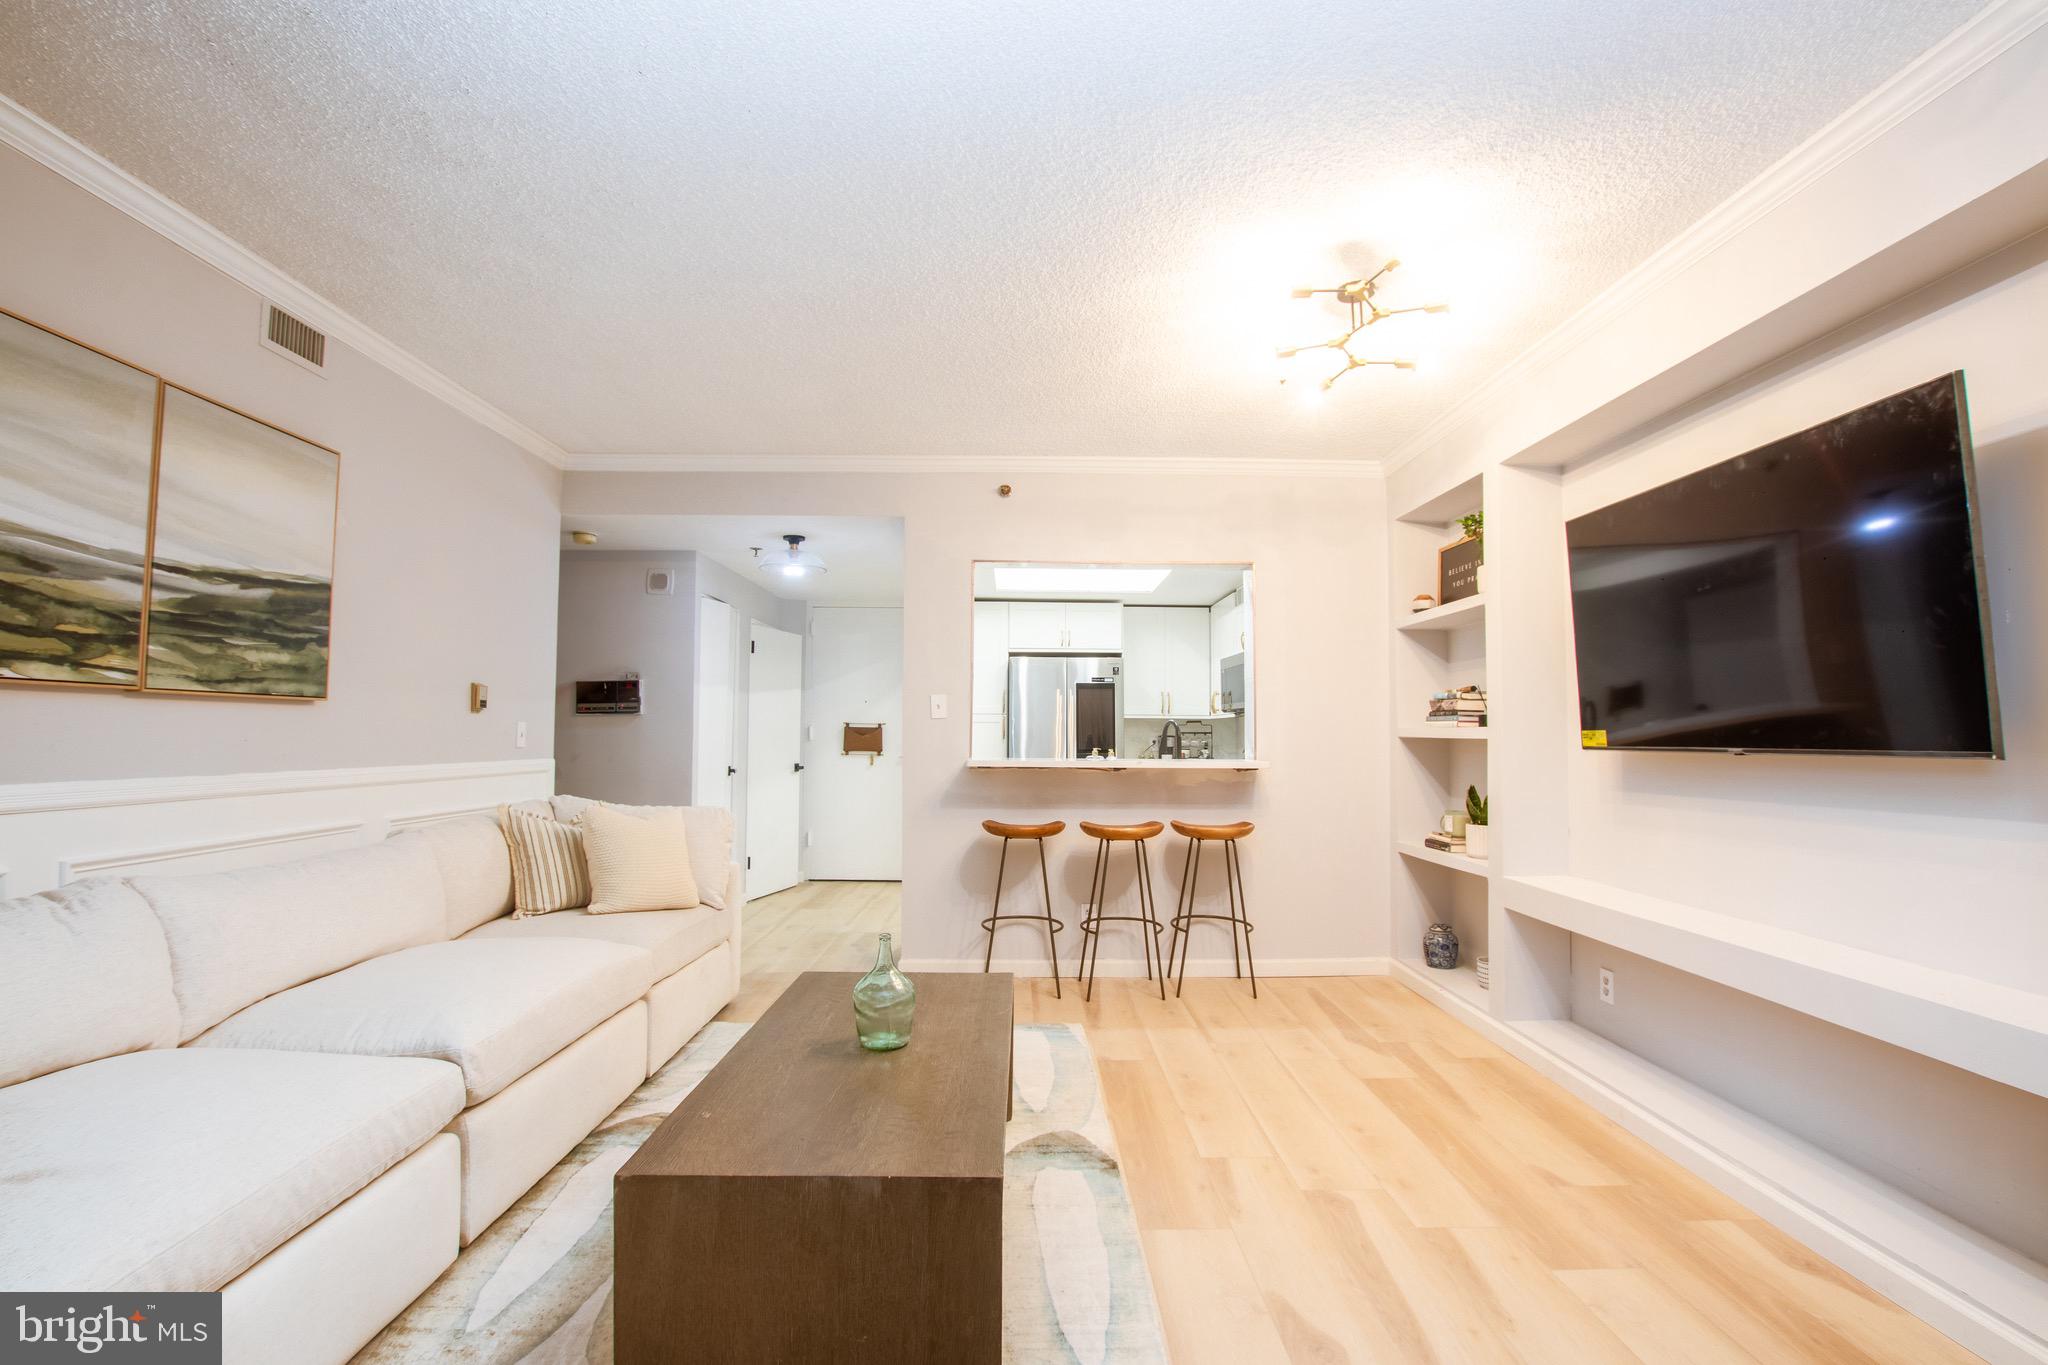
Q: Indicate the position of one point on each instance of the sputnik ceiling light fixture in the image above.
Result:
(1358, 296)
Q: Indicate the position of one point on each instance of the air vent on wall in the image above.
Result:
(293, 339)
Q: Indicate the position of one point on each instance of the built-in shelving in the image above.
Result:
(1468, 733)
(1457, 862)
(1459, 615)
(1862, 1221)
(1994, 1030)
(1437, 650)
(1460, 983)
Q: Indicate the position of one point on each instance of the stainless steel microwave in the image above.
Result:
(1232, 681)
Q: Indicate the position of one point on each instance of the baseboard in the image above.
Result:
(1955, 1279)
(1135, 967)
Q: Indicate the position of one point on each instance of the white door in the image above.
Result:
(853, 803)
(775, 700)
(1095, 625)
(1038, 625)
(712, 767)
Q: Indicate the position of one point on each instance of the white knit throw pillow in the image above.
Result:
(548, 871)
(637, 862)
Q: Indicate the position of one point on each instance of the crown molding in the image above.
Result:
(59, 151)
(1980, 41)
(1240, 465)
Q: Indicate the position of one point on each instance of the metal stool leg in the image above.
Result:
(1187, 944)
(1241, 915)
(995, 911)
(1052, 940)
(1101, 888)
(1149, 905)
(1088, 925)
(1178, 926)
(1149, 945)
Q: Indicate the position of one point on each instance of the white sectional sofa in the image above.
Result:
(309, 1084)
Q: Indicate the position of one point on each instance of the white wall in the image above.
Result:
(853, 803)
(1936, 861)
(444, 562)
(1315, 871)
(1924, 859)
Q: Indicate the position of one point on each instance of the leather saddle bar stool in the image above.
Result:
(1148, 914)
(1233, 884)
(1038, 834)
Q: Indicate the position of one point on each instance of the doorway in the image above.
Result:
(853, 795)
(775, 692)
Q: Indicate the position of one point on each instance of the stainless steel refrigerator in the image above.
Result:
(1062, 706)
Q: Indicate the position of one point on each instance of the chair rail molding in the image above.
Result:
(27, 798)
(52, 833)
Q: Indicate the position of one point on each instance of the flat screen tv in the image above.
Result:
(1821, 594)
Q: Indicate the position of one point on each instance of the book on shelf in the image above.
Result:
(1459, 706)
(1445, 843)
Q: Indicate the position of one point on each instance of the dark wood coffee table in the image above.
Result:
(812, 1201)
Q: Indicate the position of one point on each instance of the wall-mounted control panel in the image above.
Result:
(608, 697)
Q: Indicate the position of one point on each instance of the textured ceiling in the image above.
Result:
(823, 228)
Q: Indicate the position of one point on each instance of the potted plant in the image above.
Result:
(1474, 527)
(1475, 824)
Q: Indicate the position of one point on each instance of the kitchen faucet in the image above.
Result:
(1169, 749)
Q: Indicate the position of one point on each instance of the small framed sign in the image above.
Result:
(1457, 569)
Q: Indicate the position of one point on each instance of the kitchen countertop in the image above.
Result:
(1118, 765)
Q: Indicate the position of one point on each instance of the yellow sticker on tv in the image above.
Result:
(1592, 739)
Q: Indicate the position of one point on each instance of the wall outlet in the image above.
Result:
(938, 706)
(519, 736)
(1606, 986)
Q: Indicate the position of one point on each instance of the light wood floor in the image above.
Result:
(1340, 1171)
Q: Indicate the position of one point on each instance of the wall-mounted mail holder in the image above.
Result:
(861, 739)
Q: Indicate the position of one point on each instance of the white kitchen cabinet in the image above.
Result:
(1145, 660)
(1187, 663)
(989, 740)
(1079, 626)
(991, 657)
(1095, 625)
(1226, 636)
(1037, 625)
(1166, 661)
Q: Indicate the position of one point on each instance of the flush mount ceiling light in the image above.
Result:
(1076, 578)
(584, 537)
(1357, 295)
(794, 561)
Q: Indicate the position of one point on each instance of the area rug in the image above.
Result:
(536, 1288)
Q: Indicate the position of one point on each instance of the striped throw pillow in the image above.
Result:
(548, 868)
(637, 861)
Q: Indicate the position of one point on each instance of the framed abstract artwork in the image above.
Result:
(241, 584)
(77, 442)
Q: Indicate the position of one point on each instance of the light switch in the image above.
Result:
(938, 706)
(519, 736)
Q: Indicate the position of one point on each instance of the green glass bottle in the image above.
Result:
(883, 1002)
